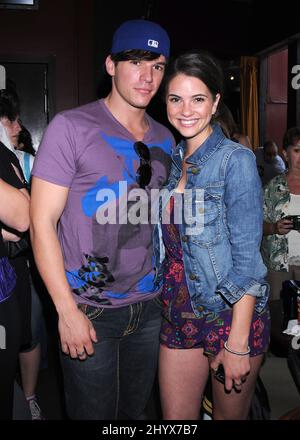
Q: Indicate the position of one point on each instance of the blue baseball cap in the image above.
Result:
(141, 34)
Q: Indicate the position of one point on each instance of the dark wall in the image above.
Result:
(228, 28)
(63, 29)
(78, 33)
(217, 26)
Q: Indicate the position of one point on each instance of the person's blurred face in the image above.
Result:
(292, 156)
(13, 129)
(190, 106)
(270, 153)
(135, 82)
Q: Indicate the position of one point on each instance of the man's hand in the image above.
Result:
(77, 334)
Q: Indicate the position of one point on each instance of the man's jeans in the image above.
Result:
(116, 382)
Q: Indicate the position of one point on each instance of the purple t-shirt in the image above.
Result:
(88, 151)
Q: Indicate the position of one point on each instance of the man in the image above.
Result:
(98, 266)
(269, 163)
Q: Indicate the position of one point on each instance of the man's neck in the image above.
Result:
(132, 118)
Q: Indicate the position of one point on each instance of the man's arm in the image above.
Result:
(47, 204)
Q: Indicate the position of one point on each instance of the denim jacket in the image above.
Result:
(222, 259)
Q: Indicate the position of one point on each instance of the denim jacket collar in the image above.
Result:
(201, 155)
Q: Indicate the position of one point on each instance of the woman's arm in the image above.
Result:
(242, 313)
(9, 236)
(281, 227)
(237, 366)
(270, 225)
(14, 207)
(244, 219)
(241, 286)
(269, 228)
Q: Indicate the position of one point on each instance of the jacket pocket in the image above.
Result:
(211, 213)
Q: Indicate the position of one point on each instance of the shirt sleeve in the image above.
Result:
(244, 214)
(268, 205)
(55, 161)
(281, 165)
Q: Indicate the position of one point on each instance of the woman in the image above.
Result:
(214, 291)
(30, 350)
(281, 243)
(14, 213)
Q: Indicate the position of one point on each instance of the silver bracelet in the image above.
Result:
(238, 353)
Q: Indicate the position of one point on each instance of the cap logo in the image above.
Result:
(141, 35)
(153, 43)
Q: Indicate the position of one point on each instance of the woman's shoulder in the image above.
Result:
(277, 181)
(235, 151)
(242, 139)
(277, 190)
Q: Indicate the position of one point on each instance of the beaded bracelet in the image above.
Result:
(238, 353)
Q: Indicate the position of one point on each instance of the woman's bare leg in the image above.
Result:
(235, 405)
(183, 375)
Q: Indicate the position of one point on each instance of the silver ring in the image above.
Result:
(81, 353)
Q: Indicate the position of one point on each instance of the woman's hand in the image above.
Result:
(236, 368)
(283, 226)
(9, 236)
(235, 354)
